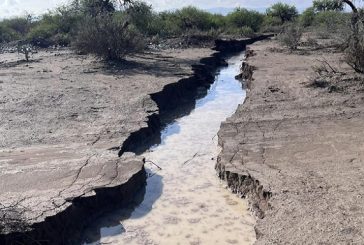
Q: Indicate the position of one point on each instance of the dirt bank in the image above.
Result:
(295, 149)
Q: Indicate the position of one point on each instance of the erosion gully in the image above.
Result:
(184, 201)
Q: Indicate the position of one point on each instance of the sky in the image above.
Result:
(9, 8)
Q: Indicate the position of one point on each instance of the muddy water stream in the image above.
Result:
(184, 202)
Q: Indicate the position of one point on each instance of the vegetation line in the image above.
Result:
(112, 29)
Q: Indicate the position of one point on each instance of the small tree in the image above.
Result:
(26, 50)
(328, 5)
(108, 36)
(307, 17)
(142, 17)
(97, 7)
(284, 12)
(291, 36)
(106, 32)
(194, 18)
(355, 50)
(245, 18)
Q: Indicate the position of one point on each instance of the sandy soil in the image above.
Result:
(303, 144)
(63, 115)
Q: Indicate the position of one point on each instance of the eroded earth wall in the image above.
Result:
(295, 148)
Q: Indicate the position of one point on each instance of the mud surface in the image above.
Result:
(295, 148)
(63, 118)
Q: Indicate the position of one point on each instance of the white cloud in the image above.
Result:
(19, 7)
(9, 8)
(206, 4)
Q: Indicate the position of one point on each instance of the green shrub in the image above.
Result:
(108, 36)
(245, 18)
(55, 27)
(7, 34)
(244, 31)
(41, 34)
(43, 30)
(143, 18)
(291, 36)
(187, 21)
(355, 56)
(271, 24)
(332, 18)
(328, 5)
(14, 29)
(19, 25)
(332, 24)
(193, 18)
(355, 49)
(217, 21)
(247, 31)
(60, 26)
(169, 24)
(282, 11)
(95, 7)
(307, 17)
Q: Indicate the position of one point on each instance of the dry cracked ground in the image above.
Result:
(299, 137)
(62, 118)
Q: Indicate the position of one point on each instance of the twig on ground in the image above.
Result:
(189, 160)
(325, 62)
(154, 164)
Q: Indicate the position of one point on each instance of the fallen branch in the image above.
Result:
(154, 164)
(189, 160)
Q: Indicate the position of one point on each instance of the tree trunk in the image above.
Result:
(355, 48)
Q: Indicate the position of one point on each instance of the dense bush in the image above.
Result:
(59, 27)
(14, 29)
(355, 43)
(246, 31)
(19, 25)
(7, 34)
(143, 18)
(277, 15)
(291, 36)
(108, 36)
(41, 34)
(307, 17)
(328, 5)
(332, 24)
(355, 55)
(88, 23)
(328, 18)
(282, 11)
(168, 24)
(271, 24)
(217, 21)
(245, 18)
(54, 28)
(190, 20)
(193, 18)
(95, 7)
